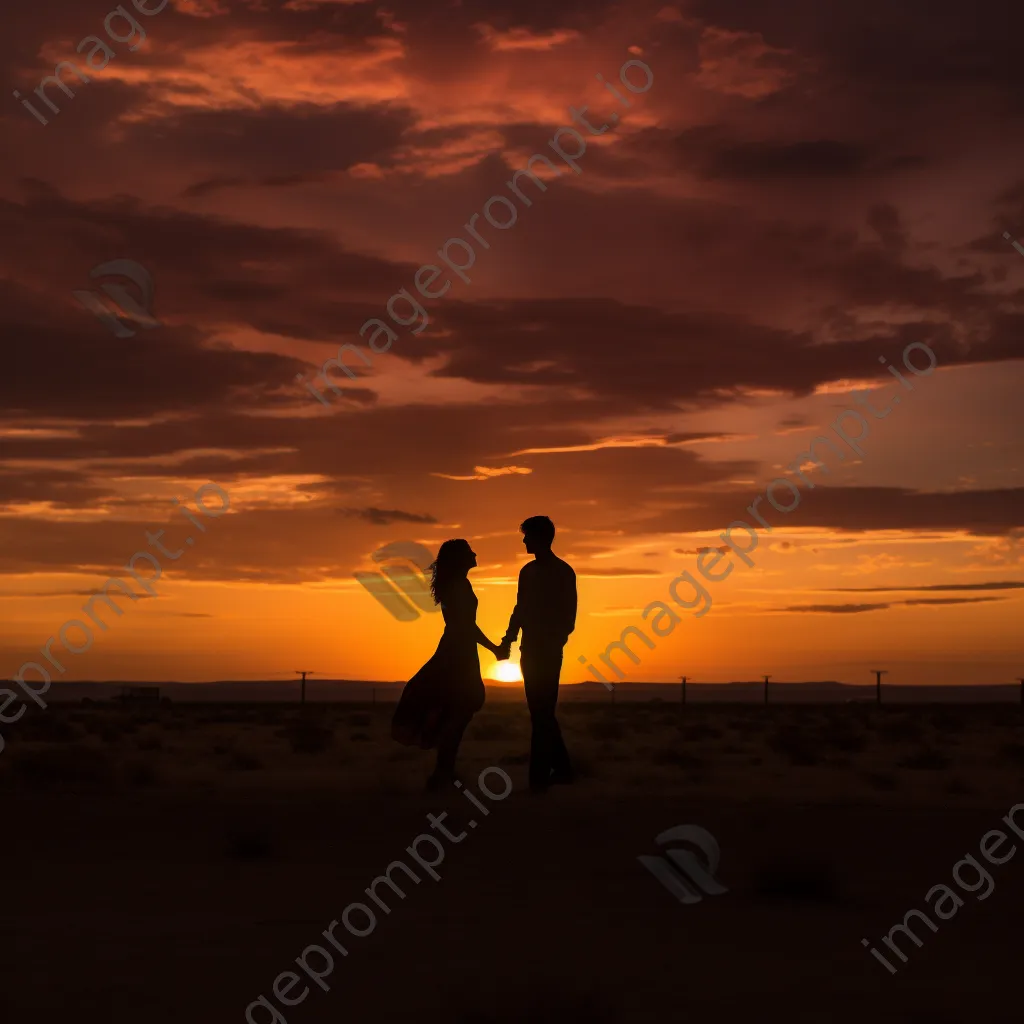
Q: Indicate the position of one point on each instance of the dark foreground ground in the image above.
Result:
(169, 865)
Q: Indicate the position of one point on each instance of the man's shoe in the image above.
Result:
(562, 778)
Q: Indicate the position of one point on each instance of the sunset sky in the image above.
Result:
(804, 190)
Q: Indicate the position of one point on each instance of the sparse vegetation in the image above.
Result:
(795, 746)
(927, 759)
(717, 752)
(308, 737)
(60, 767)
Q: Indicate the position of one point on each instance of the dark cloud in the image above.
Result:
(314, 139)
(854, 609)
(810, 158)
(1007, 585)
(836, 609)
(767, 241)
(985, 513)
(61, 593)
(613, 572)
(387, 516)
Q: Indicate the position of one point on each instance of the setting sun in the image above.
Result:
(506, 672)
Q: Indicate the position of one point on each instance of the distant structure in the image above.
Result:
(1021, 681)
(139, 695)
(683, 694)
(766, 678)
(879, 672)
(304, 673)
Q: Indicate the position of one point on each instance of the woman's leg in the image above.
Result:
(448, 747)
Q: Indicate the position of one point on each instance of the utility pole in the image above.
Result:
(683, 694)
(307, 672)
(879, 672)
(613, 692)
(1021, 681)
(766, 678)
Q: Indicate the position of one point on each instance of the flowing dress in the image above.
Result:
(448, 690)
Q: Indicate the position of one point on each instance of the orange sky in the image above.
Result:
(801, 192)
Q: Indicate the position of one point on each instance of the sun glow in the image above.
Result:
(506, 672)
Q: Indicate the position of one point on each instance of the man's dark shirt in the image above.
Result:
(545, 605)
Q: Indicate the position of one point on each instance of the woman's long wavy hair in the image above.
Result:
(449, 567)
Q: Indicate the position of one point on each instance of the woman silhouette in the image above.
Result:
(439, 701)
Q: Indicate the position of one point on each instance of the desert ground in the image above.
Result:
(168, 863)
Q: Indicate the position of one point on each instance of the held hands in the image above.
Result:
(503, 650)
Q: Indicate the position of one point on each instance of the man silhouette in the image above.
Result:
(546, 613)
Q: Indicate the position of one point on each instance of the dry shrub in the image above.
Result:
(47, 727)
(804, 881)
(607, 729)
(308, 737)
(884, 782)
(899, 730)
(108, 732)
(679, 758)
(248, 844)
(700, 731)
(1012, 753)
(795, 746)
(844, 736)
(243, 761)
(927, 759)
(140, 772)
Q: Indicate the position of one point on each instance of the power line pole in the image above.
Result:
(766, 678)
(308, 672)
(879, 672)
(1021, 681)
(683, 694)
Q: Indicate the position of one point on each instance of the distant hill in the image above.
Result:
(331, 690)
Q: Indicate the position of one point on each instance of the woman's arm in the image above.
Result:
(482, 640)
(461, 614)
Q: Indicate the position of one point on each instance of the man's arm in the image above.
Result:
(514, 626)
(515, 623)
(570, 602)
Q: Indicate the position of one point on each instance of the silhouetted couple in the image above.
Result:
(440, 700)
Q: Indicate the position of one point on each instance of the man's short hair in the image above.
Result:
(540, 527)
